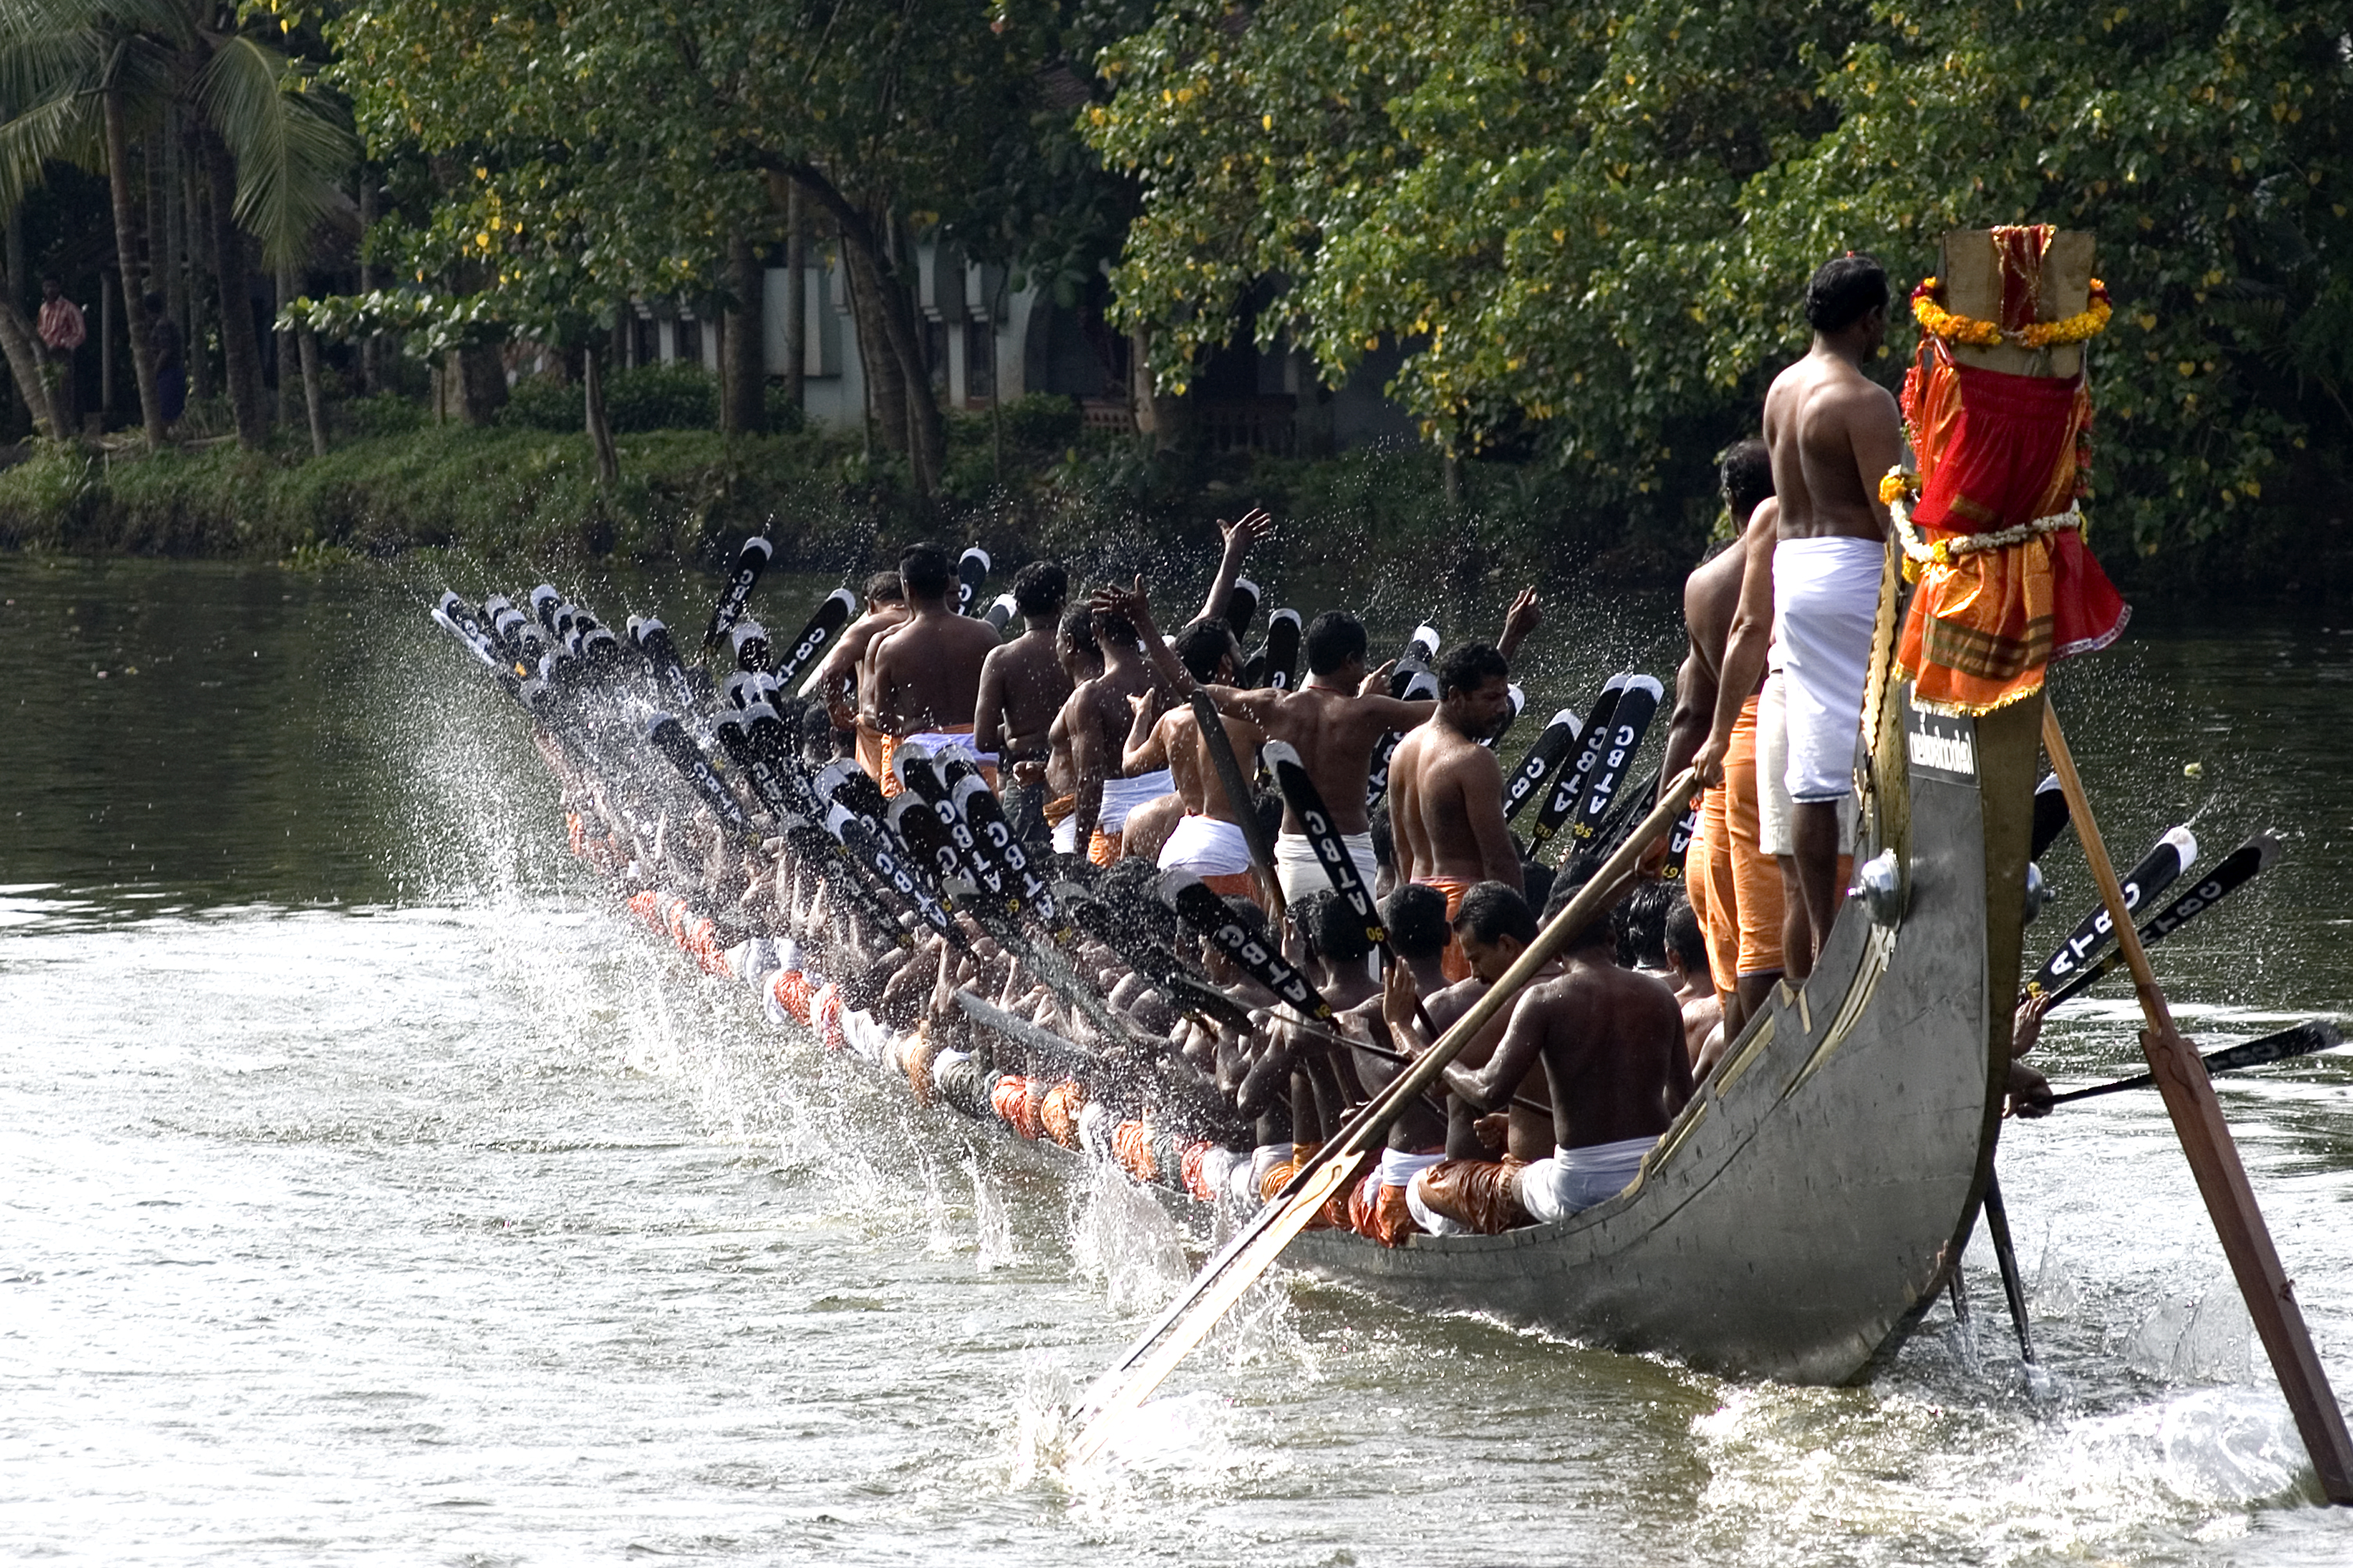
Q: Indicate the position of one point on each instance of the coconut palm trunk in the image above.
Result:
(129, 271)
(239, 346)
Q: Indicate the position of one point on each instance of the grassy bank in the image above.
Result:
(1027, 484)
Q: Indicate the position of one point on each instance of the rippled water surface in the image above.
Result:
(369, 1191)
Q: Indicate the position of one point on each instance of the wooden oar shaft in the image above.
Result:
(1220, 1284)
(2214, 1161)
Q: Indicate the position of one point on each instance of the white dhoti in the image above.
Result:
(1301, 873)
(1774, 806)
(1825, 605)
(1121, 796)
(1207, 847)
(1575, 1179)
(935, 741)
(1066, 836)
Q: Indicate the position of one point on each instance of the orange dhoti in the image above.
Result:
(1452, 962)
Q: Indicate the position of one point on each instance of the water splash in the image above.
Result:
(1125, 1240)
(992, 1220)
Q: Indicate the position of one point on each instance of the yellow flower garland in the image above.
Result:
(1939, 323)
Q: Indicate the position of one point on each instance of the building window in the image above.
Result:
(979, 362)
(690, 340)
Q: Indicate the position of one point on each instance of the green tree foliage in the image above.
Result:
(593, 150)
(1592, 225)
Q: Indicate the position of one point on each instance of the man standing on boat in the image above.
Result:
(1832, 432)
(1446, 789)
(1022, 686)
(1098, 717)
(924, 676)
(1737, 887)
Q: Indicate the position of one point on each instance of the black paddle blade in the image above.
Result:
(751, 560)
(830, 617)
(1638, 704)
(1422, 646)
(2050, 815)
(1408, 683)
(2302, 1040)
(750, 640)
(2155, 873)
(984, 817)
(916, 826)
(1679, 843)
(971, 571)
(1241, 608)
(1306, 801)
(884, 860)
(670, 739)
(1543, 759)
(1001, 610)
(1569, 787)
(1280, 654)
(670, 683)
(1205, 912)
(2238, 869)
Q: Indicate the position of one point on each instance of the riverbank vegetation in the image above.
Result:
(1570, 237)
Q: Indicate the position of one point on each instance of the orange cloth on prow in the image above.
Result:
(1996, 451)
(1378, 1211)
(1452, 964)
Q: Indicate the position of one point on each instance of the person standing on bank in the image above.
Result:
(62, 332)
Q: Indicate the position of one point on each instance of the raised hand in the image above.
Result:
(1257, 526)
(1376, 681)
(1402, 1008)
(1525, 616)
(1128, 602)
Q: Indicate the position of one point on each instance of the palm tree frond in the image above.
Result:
(291, 153)
(66, 126)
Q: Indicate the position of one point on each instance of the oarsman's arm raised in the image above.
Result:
(1175, 678)
(1256, 524)
(1524, 616)
(1745, 648)
(1147, 742)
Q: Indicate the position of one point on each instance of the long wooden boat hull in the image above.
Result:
(1806, 1207)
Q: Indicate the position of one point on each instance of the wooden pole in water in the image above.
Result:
(2214, 1161)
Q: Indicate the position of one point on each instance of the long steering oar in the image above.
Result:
(2302, 1040)
(1157, 1353)
(2156, 873)
(2213, 1159)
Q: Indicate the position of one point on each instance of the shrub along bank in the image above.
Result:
(1025, 482)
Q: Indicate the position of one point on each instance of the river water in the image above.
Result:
(369, 1191)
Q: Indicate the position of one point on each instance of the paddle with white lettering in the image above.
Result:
(2237, 869)
(1276, 663)
(670, 738)
(1543, 759)
(1519, 703)
(1306, 803)
(1569, 787)
(830, 617)
(2050, 815)
(1408, 683)
(1200, 907)
(751, 560)
(971, 571)
(2155, 873)
(1638, 704)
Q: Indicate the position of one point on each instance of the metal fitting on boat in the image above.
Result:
(2038, 891)
(1881, 882)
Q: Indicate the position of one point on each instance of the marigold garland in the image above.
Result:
(1897, 490)
(1939, 323)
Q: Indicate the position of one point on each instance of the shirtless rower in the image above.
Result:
(1081, 656)
(1446, 790)
(922, 677)
(1098, 717)
(1737, 886)
(1415, 918)
(1302, 1063)
(1022, 686)
(1209, 841)
(1611, 1043)
(1333, 720)
(837, 676)
(1832, 433)
(1694, 987)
